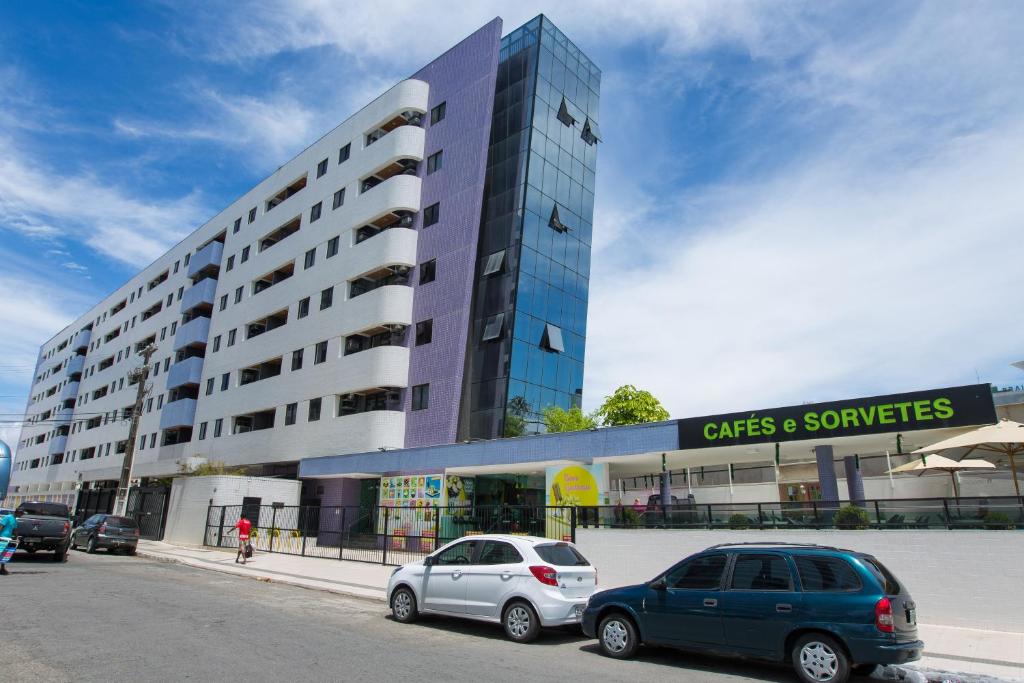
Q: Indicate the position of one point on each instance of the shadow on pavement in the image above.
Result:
(481, 629)
(692, 661)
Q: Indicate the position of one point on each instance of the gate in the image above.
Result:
(148, 507)
(94, 502)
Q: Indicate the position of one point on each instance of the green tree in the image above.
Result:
(573, 420)
(629, 406)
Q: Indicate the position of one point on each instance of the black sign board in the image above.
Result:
(933, 409)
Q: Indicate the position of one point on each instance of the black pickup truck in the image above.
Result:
(45, 526)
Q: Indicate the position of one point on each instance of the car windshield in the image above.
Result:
(561, 555)
(123, 522)
(884, 576)
(44, 509)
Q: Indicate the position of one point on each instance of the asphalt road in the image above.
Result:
(117, 618)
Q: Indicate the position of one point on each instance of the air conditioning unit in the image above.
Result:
(394, 396)
(405, 221)
(347, 401)
(400, 270)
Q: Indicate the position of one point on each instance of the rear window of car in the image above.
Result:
(889, 583)
(44, 509)
(826, 574)
(561, 555)
(123, 522)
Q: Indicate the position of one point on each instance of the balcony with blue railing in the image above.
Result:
(207, 257)
(57, 444)
(63, 416)
(69, 391)
(75, 366)
(188, 371)
(180, 413)
(82, 340)
(203, 292)
(195, 331)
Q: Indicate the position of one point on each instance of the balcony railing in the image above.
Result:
(180, 413)
(202, 293)
(207, 257)
(195, 331)
(188, 371)
(75, 365)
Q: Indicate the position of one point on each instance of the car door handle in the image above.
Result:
(783, 607)
(506, 576)
(457, 573)
(710, 602)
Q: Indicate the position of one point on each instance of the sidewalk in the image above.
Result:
(971, 652)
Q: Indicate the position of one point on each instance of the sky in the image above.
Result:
(796, 201)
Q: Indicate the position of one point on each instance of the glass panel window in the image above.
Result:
(223, 302)
(231, 262)
(303, 308)
(498, 552)
(310, 259)
(700, 573)
(332, 247)
(252, 214)
(437, 113)
(238, 294)
(231, 337)
(236, 228)
(431, 214)
(202, 431)
(495, 262)
(289, 413)
(314, 410)
(216, 344)
(428, 271)
(493, 327)
(424, 332)
(829, 574)
(321, 168)
(245, 254)
(421, 397)
(297, 359)
(339, 198)
(225, 381)
(460, 553)
(218, 426)
(434, 161)
(209, 386)
(320, 353)
(760, 573)
(344, 153)
(314, 213)
(326, 298)
(552, 340)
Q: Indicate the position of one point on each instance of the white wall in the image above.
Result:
(969, 579)
(192, 496)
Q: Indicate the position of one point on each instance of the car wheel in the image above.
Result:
(130, 551)
(403, 605)
(521, 622)
(618, 637)
(74, 546)
(91, 548)
(61, 556)
(819, 658)
(863, 669)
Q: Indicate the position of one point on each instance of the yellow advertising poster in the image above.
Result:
(570, 486)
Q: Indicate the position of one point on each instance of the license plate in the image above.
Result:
(579, 611)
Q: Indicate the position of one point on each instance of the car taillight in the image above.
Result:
(103, 528)
(883, 616)
(67, 527)
(545, 575)
(136, 532)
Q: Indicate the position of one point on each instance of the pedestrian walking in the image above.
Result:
(8, 530)
(243, 527)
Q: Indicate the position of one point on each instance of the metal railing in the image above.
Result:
(382, 535)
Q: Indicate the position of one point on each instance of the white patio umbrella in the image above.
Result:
(938, 463)
(1005, 437)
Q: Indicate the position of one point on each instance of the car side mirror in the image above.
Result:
(659, 584)
(428, 561)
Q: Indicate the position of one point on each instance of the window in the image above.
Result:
(231, 337)
(434, 161)
(238, 225)
(321, 168)
(332, 246)
(437, 113)
(314, 213)
(493, 327)
(159, 401)
(289, 413)
(552, 340)
(303, 308)
(181, 290)
(421, 397)
(174, 327)
(563, 114)
(460, 553)
(297, 359)
(826, 574)
(320, 353)
(424, 332)
(431, 214)
(700, 573)
(225, 380)
(591, 134)
(245, 254)
(216, 344)
(344, 153)
(561, 555)
(167, 363)
(555, 222)
(760, 573)
(163, 333)
(498, 552)
(310, 259)
(494, 264)
(339, 198)
(889, 583)
(428, 271)
(238, 294)
(209, 386)
(231, 262)
(202, 431)
(152, 440)
(218, 426)
(176, 265)
(252, 214)
(314, 410)
(326, 298)
(223, 302)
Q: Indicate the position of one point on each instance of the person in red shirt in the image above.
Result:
(242, 527)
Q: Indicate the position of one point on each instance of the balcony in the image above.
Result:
(388, 202)
(82, 340)
(407, 167)
(57, 445)
(202, 293)
(397, 275)
(180, 413)
(188, 371)
(75, 366)
(382, 366)
(383, 306)
(63, 416)
(70, 390)
(195, 331)
(207, 257)
(286, 193)
(410, 117)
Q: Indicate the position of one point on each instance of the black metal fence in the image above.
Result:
(382, 535)
(917, 513)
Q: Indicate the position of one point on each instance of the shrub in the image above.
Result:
(852, 517)
(630, 517)
(738, 521)
(998, 520)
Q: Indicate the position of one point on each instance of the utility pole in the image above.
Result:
(141, 374)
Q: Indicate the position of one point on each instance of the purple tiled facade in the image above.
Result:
(463, 78)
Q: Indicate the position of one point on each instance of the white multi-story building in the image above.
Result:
(362, 297)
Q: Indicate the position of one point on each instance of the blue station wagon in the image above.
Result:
(830, 612)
